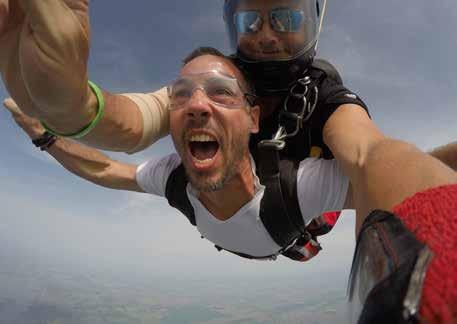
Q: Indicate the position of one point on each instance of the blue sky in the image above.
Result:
(399, 56)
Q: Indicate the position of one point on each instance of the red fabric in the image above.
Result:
(331, 217)
(312, 248)
(432, 216)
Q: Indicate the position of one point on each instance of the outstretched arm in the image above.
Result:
(383, 171)
(85, 162)
(44, 48)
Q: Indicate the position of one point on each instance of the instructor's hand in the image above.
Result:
(44, 47)
(28, 124)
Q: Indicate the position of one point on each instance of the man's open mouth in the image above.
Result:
(203, 148)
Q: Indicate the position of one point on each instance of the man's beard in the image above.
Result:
(205, 185)
(230, 169)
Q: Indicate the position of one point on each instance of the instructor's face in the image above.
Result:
(211, 139)
(267, 42)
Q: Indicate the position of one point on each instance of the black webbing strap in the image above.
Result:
(247, 256)
(176, 194)
(281, 217)
(288, 182)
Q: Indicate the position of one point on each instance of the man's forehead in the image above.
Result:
(209, 63)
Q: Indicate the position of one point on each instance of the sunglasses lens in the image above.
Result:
(286, 20)
(247, 22)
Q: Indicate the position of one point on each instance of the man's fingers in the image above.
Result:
(50, 12)
(11, 15)
(56, 22)
(11, 105)
(3, 15)
(30, 125)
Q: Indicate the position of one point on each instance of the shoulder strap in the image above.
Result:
(176, 194)
(279, 209)
(288, 181)
(328, 69)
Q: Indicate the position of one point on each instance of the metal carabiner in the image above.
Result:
(302, 82)
(312, 106)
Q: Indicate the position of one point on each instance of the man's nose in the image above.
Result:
(198, 107)
(267, 36)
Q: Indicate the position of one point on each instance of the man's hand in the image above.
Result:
(44, 47)
(30, 125)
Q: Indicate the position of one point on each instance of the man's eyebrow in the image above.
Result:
(227, 75)
(216, 71)
(224, 73)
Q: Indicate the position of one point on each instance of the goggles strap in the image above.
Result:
(321, 21)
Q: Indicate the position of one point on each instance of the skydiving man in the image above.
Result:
(400, 269)
(213, 179)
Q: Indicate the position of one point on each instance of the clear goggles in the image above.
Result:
(221, 89)
(282, 20)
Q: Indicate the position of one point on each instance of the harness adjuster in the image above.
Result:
(290, 120)
(275, 144)
(298, 107)
(301, 83)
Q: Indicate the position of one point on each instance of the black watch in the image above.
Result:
(45, 141)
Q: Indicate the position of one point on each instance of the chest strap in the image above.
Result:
(279, 208)
(176, 194)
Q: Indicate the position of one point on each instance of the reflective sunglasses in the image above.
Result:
(283, 20)
(222, 90)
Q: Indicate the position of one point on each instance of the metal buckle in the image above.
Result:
(311, 107)
(278, 140)
(307, 108)
(277, 144)
(304, 82)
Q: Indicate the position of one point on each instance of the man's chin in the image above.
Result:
(205, 181)
(207, 185)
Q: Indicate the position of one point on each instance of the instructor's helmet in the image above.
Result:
(274, 40)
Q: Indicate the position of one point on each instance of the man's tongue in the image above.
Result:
(203, 150)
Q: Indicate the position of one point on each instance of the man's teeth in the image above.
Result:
(205, 160)
(201, 138)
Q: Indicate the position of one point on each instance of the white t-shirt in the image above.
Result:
(321, 187)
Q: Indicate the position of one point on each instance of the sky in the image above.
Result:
(399, 56)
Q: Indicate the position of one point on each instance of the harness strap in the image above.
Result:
(175, 192)
(279, 210)
(247, 256)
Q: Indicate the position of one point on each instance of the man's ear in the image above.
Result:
(255, 115)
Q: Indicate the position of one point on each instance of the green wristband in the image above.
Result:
(87, 129)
